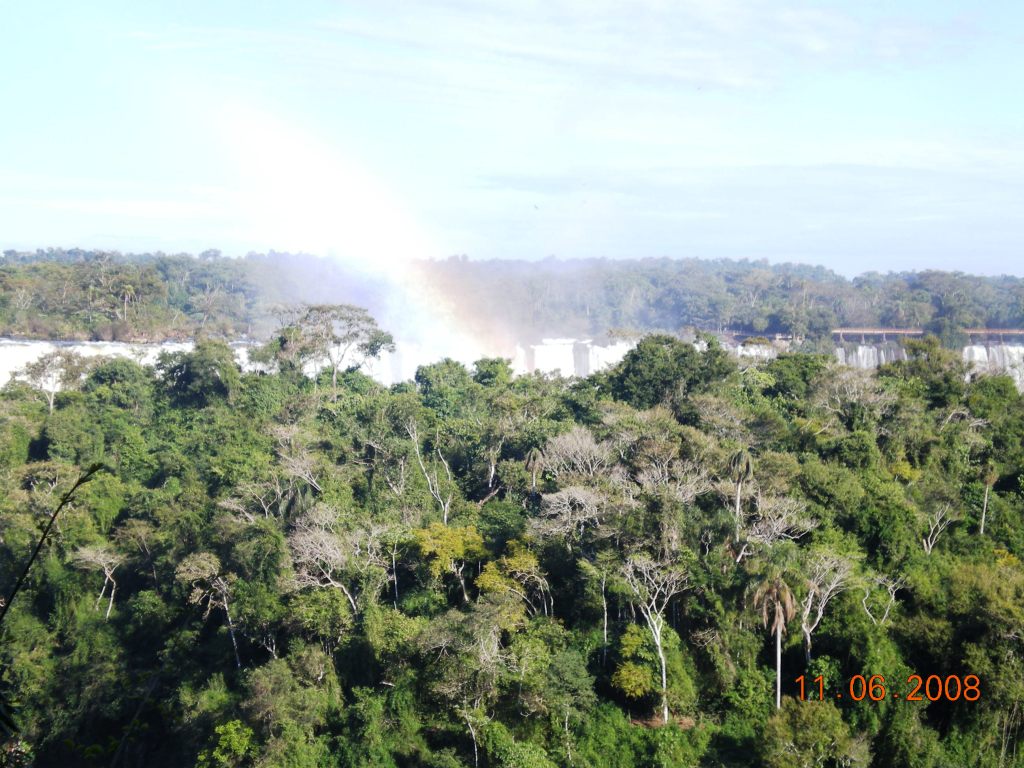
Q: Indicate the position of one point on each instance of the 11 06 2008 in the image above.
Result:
(875, 688)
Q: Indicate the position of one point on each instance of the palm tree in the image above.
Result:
(127, 295)
(775, 599)
(741, 470)
(534, 465)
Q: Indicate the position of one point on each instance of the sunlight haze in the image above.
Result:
(860, 136)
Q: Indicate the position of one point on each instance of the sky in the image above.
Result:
(858, 135)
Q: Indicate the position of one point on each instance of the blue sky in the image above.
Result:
(858, 135)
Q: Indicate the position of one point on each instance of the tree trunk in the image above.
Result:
(231, 631)
(778, 666)
(394, 575)
(110, 605)
(807, 645)
(738, 509)
(984, 509)
(472, 733)
(568, 738)
(664, 683)
(604, 606)
(351, 601)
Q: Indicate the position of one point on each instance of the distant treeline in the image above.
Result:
(105, 295)
(594, 295)
(101, 295)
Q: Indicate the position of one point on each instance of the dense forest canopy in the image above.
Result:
(476, 569)
(87, 294)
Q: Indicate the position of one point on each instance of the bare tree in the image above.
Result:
(891, 585)
(576, 452)
(395, 474)
(295, 457)
(828, 575)
(327, 554)
(265, 497)
(965, 417)
(202, 571)
(654, 583)
(23, 299)
(208, 302)
(776, 518)
(389, 461)
(568, 514)
(938, 521)
(301, 466)
(683, 480)
(321, 558)
(104, 559)
(720, 417)
(138, 533)
(442, 495)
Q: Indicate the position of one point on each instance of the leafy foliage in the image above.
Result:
(479, 569)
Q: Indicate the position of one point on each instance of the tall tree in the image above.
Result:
(827, 576)
(345, 335)
(775, 600)
(654, 583)
(211, 585)
(101, 558)
(54, 371)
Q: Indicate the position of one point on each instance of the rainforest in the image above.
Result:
(645, 567)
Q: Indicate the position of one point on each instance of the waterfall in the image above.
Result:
(572, 357)
(869, 356)
(981, 358)
(997, 358)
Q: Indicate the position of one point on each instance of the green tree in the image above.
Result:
(206, 375)
(652, 371)
(811, 734)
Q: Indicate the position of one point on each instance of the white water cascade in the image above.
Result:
(997, 358)
(569, 357)
(869, 356)
(982, 358)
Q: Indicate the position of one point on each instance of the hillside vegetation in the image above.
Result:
(473, 569)
(86, 294)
